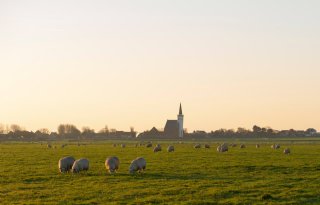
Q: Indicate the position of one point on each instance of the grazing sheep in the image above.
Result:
(80, 165)
(242, 146)
(222, 148)
(114, 145)
(275, 146)
(123, 145)
(49, 146)
(234, 145)
(157, 148)
(170, 148)
(287, 151)
(112, 164)
(65, 164)
(197, 146)
(139, 164)
(149, 145)
(207, 146)
(257, 146)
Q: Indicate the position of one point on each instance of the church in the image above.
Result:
(172, 129)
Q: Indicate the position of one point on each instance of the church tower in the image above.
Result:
(180, 122)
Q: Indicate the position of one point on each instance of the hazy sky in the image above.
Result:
(232, 63)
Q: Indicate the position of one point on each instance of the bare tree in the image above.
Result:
(104, 130)
(2, 129)
(44, 131)
(16, 128)
(69, 130)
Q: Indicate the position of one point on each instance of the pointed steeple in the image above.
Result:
(180, 110)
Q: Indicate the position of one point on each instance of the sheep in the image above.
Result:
(114, 145)
(222, 148)
(49, 146)
(65, 164)
(157, 148)
(80, 165)
(287, 151)
(207, 146)
(112, 164)
(149, 145)
(170, 148)
(275, 146)
(257, 146)
(139, 164)
(197, 146)
(242, 146)
(123, 145)
(234, 145)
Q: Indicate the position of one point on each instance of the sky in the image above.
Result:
(231, 63)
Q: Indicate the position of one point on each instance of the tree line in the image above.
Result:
(64, 131)
(71, 132)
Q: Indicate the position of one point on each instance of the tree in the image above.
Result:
(2, 129)
(16, 128)
(68, 130)
(44, 131)
(86, 131)
(61, 130)
(311, 131)
(242, 130)
(104, 130)
(256, 129)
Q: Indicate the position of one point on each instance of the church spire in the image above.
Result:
(180, 110)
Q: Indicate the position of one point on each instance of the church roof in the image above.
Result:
(171, 128)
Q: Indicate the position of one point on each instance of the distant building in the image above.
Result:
(172, 129)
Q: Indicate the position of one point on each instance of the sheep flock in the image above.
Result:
(137, 165)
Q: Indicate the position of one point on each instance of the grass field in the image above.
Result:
(29, 175)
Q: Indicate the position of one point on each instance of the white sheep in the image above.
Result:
(197, 146)
(112, 164)
(80, 165)
(222, 148)
(275, 146)
(65, 164)
(139, 164)
(157, 148)
(287, 151)
(170, 148)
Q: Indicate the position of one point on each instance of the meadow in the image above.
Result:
(29, 174)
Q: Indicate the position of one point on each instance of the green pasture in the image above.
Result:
(29, 174)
